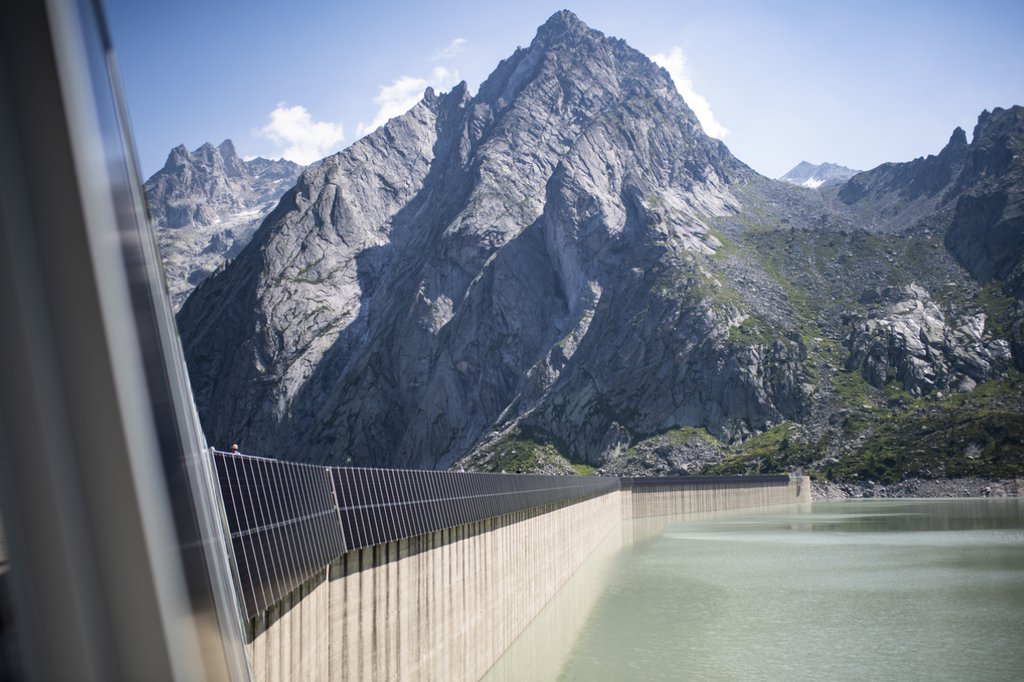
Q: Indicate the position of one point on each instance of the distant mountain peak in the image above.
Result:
(806, 174)
(206, 204)
(957, 145)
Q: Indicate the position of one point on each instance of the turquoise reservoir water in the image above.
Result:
(875, 590)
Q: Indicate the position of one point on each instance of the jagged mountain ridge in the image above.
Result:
(561, 264)
(206, 205)
(519, 190)
(812, 176)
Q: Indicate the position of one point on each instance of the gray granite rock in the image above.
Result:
(206, 205)
(480, 259)
(912, 342)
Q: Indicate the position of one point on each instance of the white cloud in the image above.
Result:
(303, 139)
(675, 63)
(403, 93)
(453, 49)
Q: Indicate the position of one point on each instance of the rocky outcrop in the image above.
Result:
(987, 231)
(910, 341)
(676, 453)
(206, 205)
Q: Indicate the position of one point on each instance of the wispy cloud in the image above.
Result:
(675, 63)
(302, 139)
(397, 98)
(453, 49)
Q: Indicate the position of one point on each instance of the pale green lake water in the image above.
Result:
(873, 590)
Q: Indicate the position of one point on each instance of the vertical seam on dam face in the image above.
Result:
(386, 575)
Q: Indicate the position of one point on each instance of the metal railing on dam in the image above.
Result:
(288, 520)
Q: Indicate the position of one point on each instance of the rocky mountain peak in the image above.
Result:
(565, 264)
(177, 158)
(233, 164)
(227, 149)
(207, 154)
(213, 200)
(562, 23)
(573, 67)
(454, 258)
(923, 179)
(810, 175)
(956, 147)
(998, 143)
(1000, 121)
(957, 140)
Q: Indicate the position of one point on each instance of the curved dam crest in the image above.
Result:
(361, 574)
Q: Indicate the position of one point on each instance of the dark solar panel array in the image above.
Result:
(381, 505)
(283, 523)
(287, 521)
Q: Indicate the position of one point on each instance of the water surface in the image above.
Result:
(874, 590)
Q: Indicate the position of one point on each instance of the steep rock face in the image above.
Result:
(254, 333)
(206, 205)
(987, 230)
(912, 342)
(532, 256)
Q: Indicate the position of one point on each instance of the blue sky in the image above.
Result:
(852, 83)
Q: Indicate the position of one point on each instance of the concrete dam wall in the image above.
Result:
(361, 574)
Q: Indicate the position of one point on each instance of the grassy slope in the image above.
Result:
(882, 435)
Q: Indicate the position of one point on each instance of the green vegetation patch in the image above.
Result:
(753, 331)
(775, 451)
(998, 307)
(966, 434)
(680, 436)
(517, 451)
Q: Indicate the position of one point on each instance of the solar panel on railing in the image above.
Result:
(380, 505)
(287, 521)
(283, 523)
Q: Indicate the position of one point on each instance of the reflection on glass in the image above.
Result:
(9, 669)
